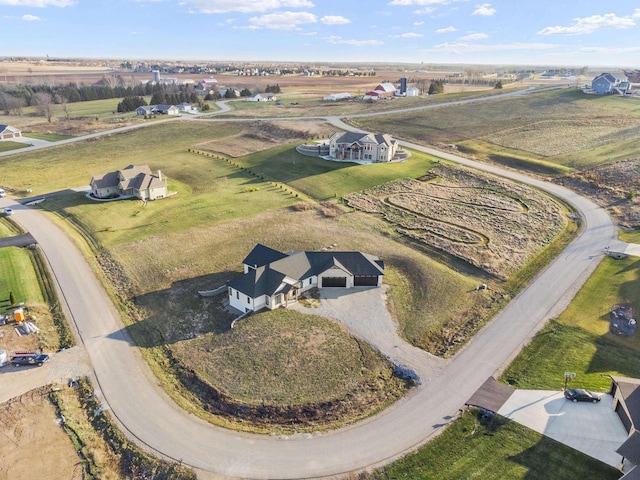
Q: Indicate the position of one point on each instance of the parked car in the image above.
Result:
(8, 211)
(581, 395)
(2, 193)
(29, 358)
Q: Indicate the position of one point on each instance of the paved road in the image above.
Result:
(147, 414)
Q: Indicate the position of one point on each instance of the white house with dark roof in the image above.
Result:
(375, 147)
(7, 132)
(136, 181)
(274, 279)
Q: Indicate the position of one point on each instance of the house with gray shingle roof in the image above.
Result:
(626, 403)
(135, 181)
(375, 147)
(274, 279)
(7, 132)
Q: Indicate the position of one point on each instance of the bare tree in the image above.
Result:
(64, 103)
(44, 105)
(10, 104)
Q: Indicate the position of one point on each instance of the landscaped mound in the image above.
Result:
(284, 368)
(490, 222)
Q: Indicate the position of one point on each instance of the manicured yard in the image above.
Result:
(501, 450)
(7, 146)
(17, 275)
(579, 341)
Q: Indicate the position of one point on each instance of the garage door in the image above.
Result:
(365, 281)
(334, 281)
(626, 421)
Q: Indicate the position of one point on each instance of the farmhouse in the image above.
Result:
(7, 132)
(274, 279)
(133, 181)
(362, 146)
(626, 403)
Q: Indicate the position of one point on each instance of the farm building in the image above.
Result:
(413, 92)
(274, 279)
(7, 132)
(383, 90)
(132, 181)
(334, 97)
(263, 97)
(362, 146)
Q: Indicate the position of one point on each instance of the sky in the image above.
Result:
(506, 32)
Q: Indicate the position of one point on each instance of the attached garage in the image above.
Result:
(7, 132)
(626, 421)
(334, 282)
(365, 281)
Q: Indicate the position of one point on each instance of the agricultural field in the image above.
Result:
(563, 128)
(579, 340)
(494, 224)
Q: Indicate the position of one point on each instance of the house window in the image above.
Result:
(238, 295)
(310, 281)
(248, 299)
(278, 299)
(230, 291)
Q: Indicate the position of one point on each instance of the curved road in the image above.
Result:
(147, 414)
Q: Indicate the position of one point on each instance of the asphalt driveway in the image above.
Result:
(592, 428)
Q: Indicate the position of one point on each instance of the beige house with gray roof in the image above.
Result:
(132, 181)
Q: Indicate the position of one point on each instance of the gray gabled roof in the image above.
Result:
(630, 449)
(266, 278)
(262, 255)
(107, 180)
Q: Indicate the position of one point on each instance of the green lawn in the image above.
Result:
(49, 137)
(6, 146)
(501, 450)
(18, 275)
(579, 341)
(8, 228)
(631, 236)
(323, 179)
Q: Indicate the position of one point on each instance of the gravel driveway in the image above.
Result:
(363, 311)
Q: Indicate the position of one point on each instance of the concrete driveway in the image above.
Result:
(363, 311)
(591, 428)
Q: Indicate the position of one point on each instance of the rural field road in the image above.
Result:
(147, 414)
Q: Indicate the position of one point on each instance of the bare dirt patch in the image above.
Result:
(615, 186)
(258, 136)
(492, 223)
(33, 443)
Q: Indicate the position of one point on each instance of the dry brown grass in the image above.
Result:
(490, 222)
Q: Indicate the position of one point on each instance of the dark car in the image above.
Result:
(581, 395)
(29, 359)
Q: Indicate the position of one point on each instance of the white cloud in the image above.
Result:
(473, 37)
(244, 6)
(447, 30)
(356, 43)
(334, 20)
(417, 24)
(485, 9)
(587, 25)
(283, 20)
(406, 35)
(38, 3)
(424, 11)
(422, 2)
(30, 18)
